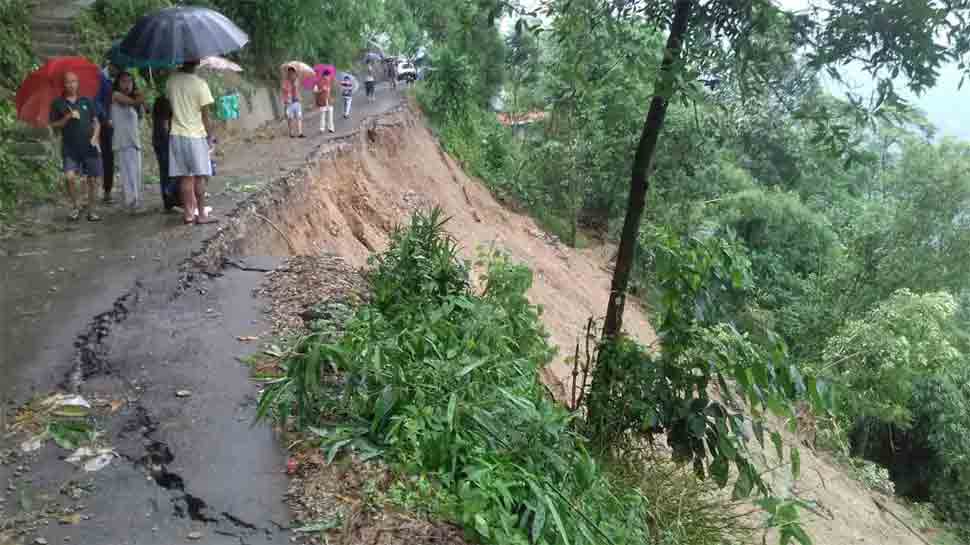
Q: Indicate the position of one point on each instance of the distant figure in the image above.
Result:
(103, 101)
(370, 84)
(291, 103)
(126, 110)
(324, 96)
(392, 73)
(81, 131)
(347, 90)
(188, 143)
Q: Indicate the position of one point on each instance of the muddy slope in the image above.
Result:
(355, 190)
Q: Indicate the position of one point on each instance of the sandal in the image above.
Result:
(200, 221)
(92, 217)
(74, 215)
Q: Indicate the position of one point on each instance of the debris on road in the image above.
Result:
(71, 520)
(183, 393)
(33, 444)
(247, 338)
(91, 460)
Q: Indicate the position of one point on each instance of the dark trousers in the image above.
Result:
(107, 158)
(166, 185)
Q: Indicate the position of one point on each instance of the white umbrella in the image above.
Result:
(220, 64)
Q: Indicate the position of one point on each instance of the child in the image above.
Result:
(291, 103)
(347, 90)
(126, 104)
(323, 93)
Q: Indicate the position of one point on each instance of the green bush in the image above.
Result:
(444, 383)
(16, 53)
(24, 179)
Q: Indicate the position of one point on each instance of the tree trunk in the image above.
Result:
(639, 183)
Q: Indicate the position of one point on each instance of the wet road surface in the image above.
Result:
(186, 464)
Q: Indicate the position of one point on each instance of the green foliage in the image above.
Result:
(443, 382)
(25, 178)
(105, 21)
(880, 359)
(284, 30)
(16, 54)
(637, 394)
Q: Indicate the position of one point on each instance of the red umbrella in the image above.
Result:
(42, 86)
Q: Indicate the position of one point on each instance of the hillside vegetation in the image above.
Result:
(805, 253)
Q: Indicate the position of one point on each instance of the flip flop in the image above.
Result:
(199, 221)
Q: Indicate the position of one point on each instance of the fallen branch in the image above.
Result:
(278, 230)
(883, 507)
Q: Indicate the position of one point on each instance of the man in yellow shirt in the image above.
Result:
(188, 140)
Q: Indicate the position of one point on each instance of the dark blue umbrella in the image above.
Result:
(176, 35)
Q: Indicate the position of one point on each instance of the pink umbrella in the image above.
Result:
(322, 71)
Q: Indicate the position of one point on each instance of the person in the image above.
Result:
(161, 125)
(188, 143)
(291, 103)
(323, 93)
(77, 118)
(103, 101)
(392, 73)
(126, 111)
(370, 84)
(347, 90)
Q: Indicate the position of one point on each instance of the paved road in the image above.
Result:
(187, 464)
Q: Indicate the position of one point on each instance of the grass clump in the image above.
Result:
(441, 380)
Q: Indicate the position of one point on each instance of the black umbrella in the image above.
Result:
(176, 35)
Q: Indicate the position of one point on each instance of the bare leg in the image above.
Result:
(189, 206)
(92, 183)
(299, 126)
(70, 182)
(200, 183)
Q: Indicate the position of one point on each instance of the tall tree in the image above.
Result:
(887, 38)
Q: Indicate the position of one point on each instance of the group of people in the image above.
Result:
(97, 133)
(323, 98)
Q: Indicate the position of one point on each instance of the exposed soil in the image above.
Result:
(355, 190)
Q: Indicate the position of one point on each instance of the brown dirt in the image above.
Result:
(353, 193)
(349, 495)
(354, 190)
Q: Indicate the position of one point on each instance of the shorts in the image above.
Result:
(369, 87)
(188, 156)
(294, 110)
(88, 167)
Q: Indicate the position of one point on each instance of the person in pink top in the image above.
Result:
(291, 103)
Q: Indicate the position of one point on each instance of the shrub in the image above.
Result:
(443, 382)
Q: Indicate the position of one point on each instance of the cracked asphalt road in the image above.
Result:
(104, 310)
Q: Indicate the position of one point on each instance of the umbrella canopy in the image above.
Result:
(322, 71)
(353, 79)
(177, 35)
(42, 86)
(220, 64)
(116, 57)
(303, 69)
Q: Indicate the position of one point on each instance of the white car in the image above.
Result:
(406, 71)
